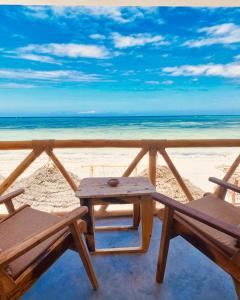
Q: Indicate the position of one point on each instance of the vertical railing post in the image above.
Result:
(152, 168)
(152, 164)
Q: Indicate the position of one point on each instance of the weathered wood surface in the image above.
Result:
(152, 164)
(25, 145)
(97, 187)
(164, 244)
(82, 251)
(94, 191)
(90, 224)
(146, 232)
(7, 200)
(40, 146)
(70, 237)
(174, 224)
(207, 219)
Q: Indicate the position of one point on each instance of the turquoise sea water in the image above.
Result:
(166, 127)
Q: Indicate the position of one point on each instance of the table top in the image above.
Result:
(97, 187)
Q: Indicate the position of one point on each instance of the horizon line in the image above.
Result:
(118, 116)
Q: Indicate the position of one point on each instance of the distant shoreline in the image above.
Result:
(121, 116)
(120, 127)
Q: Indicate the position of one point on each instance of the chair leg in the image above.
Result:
(82, 250)
(164, 244)
(237, 287)
(136, 215)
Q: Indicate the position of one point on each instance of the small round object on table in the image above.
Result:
(113, 182)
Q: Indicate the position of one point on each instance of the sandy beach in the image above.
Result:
(195, 166)
(43, 184)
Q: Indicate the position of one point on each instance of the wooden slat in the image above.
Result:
(134, 186)
(164, 244)
(22, 247)
(7, 200)
(147, 222)
(63, 171)
(202, 143)
(207, 247)
(44, 145)
(39, 266)
(114, 228)
(18, 171)
(118, 250)
(198, 215)
(114, 213)
(128, 172)
(176, 174)
(134, 163)
(81, 248)
(152, 166)
(98, 188)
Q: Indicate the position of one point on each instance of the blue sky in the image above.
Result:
(111, 60)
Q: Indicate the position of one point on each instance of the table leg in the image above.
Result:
(89, 219)
(147, 222)
(136, 215)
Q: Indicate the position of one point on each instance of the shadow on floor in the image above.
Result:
(189, 274)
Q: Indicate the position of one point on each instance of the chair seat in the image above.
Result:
(22, 225)
(218, 209)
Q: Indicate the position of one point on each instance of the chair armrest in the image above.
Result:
(225, 184)
(26, 245)
(7, 200)
(8, 197)
(198, 215)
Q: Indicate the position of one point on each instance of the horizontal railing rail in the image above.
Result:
(106, 143)
(150, 147)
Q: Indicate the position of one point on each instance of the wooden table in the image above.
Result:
(136, 190)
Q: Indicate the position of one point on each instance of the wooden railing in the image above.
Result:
(150, 147)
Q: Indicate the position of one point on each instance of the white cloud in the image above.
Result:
(88, 112)
(167, 82)
(35, 57)
(118, 14)
(14, 85)
(67, 50)
(152, 82)
(227, 33)
(231, 70)
(39, 12)
(156, 82)
(115, 13)
(57, 76)
(165, 55)
(129, 72)
(140, 39)
(195, 79)
(97, 36)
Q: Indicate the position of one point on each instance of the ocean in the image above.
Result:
(147, 127)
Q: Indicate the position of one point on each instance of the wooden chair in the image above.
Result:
(210, 224)
(31, 240)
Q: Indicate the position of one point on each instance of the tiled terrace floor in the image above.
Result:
(189, 274)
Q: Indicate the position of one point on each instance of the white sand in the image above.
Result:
(196, 165)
